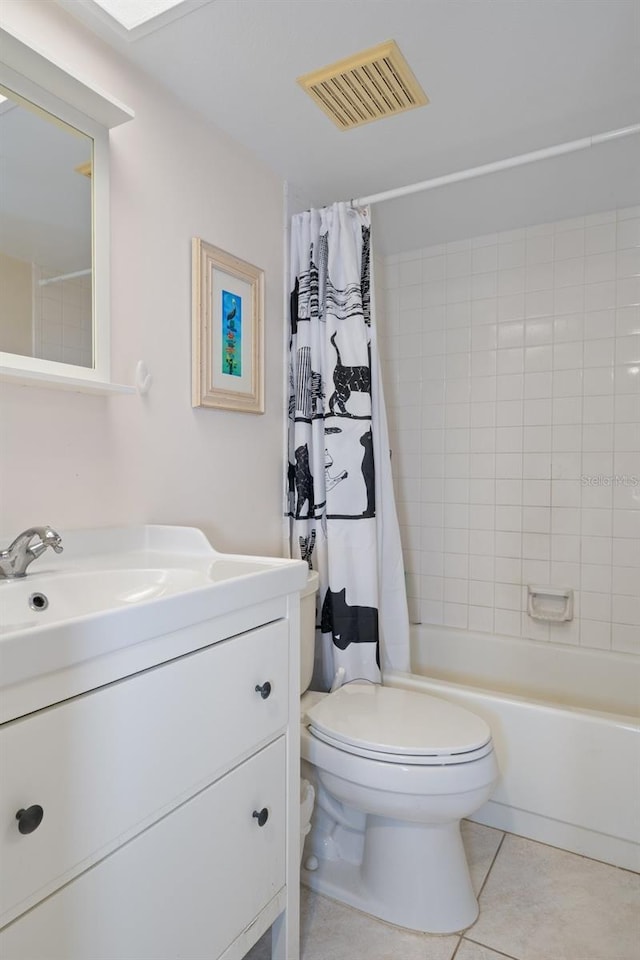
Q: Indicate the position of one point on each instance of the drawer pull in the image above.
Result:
(29, 819)
(261, 816)
(263, 690)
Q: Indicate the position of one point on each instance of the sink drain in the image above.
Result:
(38, 601)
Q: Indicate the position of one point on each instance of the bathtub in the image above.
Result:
(566, 730)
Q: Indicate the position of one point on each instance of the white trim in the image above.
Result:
(80, 383)
(286, 219)
(37, 82)
(481, 171)
(35, 76)
(105, 25)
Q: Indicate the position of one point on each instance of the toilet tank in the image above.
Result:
(307, 629)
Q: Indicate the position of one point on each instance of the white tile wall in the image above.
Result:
(512, 380)
(63, 319)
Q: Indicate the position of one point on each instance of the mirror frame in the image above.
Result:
(33, 79)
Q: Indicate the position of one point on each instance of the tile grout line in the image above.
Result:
(498, 953)
(466, 935)
(487, 946)
(495, 857)
(455, 952)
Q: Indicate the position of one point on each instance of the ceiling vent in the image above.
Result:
(368, 86)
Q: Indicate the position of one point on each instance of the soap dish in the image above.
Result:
(551, 604)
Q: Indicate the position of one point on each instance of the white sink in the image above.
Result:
(38, 600)
(115, 588)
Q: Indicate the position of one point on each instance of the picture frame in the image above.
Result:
(228, 330)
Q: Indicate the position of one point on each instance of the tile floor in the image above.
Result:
(536, 903)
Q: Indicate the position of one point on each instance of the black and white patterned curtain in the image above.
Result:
(334, 439)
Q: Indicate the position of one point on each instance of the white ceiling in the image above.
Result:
(504, 77)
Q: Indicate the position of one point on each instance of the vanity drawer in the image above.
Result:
(107, 764)
(160, 895)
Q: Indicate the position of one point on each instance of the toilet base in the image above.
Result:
(412, 875)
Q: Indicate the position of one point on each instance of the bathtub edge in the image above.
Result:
(560, 796)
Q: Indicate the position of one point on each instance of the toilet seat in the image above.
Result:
(398, 726)
(422, 760)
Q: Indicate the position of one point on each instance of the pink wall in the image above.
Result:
(76, 460)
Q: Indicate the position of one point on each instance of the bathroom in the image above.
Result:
(507, 317)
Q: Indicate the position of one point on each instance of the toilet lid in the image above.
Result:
(401, 722)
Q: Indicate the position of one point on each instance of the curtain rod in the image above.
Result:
(64, 276)
(497, 165)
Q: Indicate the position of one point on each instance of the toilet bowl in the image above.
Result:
(394, 771)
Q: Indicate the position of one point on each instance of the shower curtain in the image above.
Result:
(340, 495)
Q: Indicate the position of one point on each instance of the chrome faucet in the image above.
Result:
(25, 549)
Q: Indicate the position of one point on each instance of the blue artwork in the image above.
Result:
(231, 334)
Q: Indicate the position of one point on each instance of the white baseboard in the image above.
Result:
(567, 836)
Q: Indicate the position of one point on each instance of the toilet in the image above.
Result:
(394, 773)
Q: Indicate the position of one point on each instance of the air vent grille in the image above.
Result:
(371, 85)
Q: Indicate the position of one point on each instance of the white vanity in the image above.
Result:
(149, 771)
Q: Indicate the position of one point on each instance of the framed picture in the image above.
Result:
(228, 321)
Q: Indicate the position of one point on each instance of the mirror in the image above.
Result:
(54, 223)
(46, 308)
